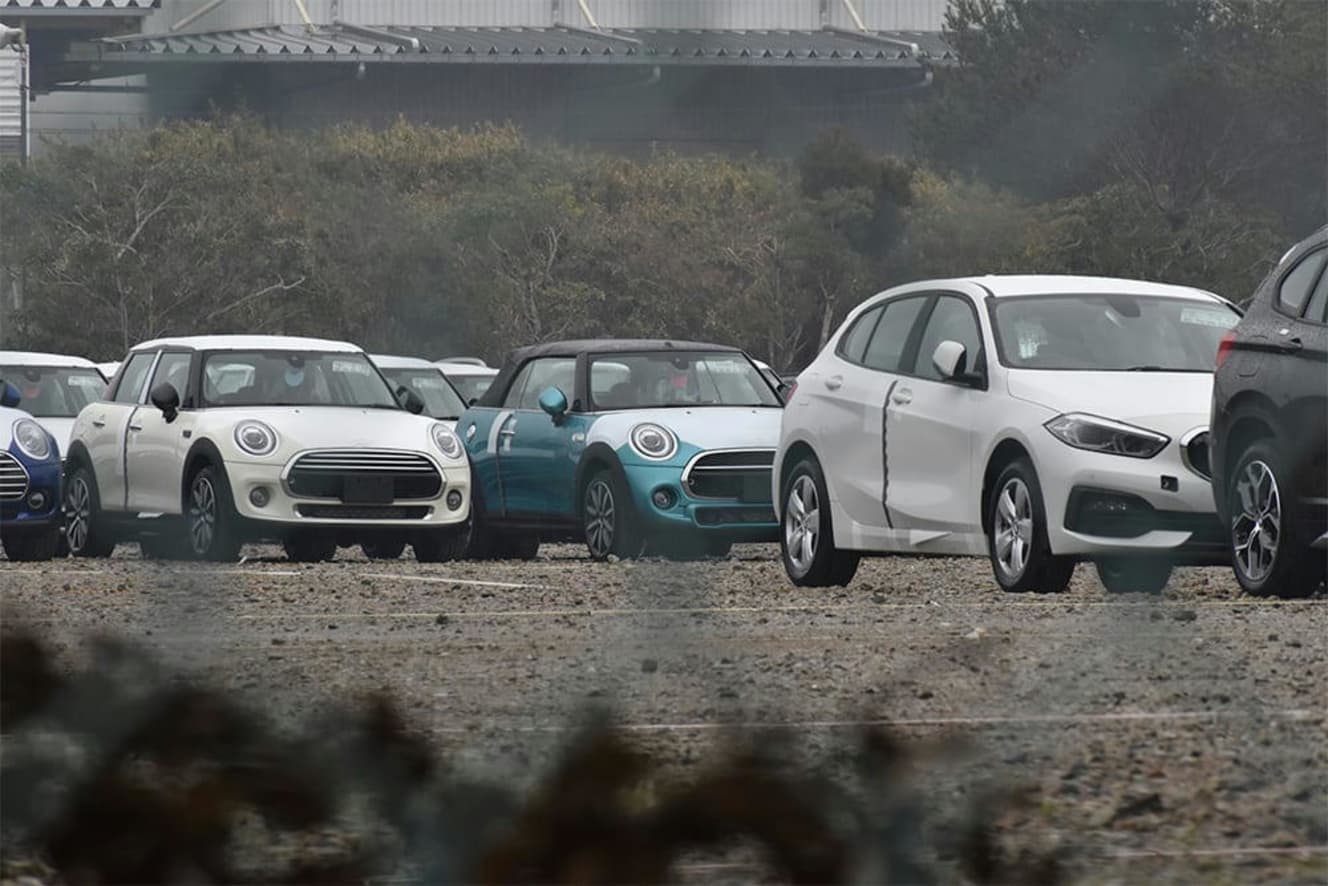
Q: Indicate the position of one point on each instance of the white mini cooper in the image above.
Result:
(204, 443)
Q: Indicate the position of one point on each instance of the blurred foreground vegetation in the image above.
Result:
(1175, 141)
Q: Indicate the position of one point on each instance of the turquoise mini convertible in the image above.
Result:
(632, 446)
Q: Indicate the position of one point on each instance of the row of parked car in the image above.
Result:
(1037, 421)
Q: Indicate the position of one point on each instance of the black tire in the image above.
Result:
(310, 546)
(31, 545)
(383, 548)
(807, 537)
(62, 547)
(210, 518)
(1134, 575)
(1020, 521)
(608, 518)
(441, 545)
(86, 531)
(1269, 557)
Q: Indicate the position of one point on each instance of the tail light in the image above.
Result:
(1224, 347)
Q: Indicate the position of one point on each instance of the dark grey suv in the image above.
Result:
(1268, 441)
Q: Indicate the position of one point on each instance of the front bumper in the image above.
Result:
(40, 504)
(290, 510)
(731, 519)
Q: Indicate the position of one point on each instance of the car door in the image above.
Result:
(533, 454)
(482, 430)
(1300, 381)
(932, 428)
(155, 447)
(107, 423)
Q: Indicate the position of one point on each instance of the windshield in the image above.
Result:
(440, 398)
(671, 378)
(1110, 333)
(54, 391)
(470, 387)
(293, 378)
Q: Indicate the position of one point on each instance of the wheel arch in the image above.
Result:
(203, 453)
(1005, 452)
(795, 453)
(598, 456)
(77, 457)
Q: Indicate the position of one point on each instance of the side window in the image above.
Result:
(854, 342)
(173, 369)
(885, 351)
(1296, 286)
(132, 376)
(951, 320)
(549, 372)
(518, 386)
(1317, 312)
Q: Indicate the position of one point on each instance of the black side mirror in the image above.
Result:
(410, 401)
(166, 398)
(10, 396)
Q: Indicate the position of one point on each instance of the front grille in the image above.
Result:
(403, 475)
(714, 516)
(1195, 455)
(13, 478)
(362, 512)
(741, 475)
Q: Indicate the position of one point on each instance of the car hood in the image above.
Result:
(1169, 402)
(329, 427)
(59, 428)
(704, 427)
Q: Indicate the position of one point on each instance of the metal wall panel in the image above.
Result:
(774, 14)
(11, 103)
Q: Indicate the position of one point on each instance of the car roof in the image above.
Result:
(36, 358)
(1008, 285)
(610, 346)
(464, 368)
(387, 361)
(249, 343)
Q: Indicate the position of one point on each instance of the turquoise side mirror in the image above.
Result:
(554, 402)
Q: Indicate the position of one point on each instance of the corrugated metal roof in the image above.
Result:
(81, 5)
(813, 48)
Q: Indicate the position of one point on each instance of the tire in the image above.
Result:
(608, 519)
(310, 546)
(441, 545)
(383, 548)
(31, 545)
(85, 527)
(210, 518)
(1021, 557)
(1134, 575)
(1270, 548)
(807, 539)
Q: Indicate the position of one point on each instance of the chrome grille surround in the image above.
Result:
(13, 478)
(321, 473)
(721, 474)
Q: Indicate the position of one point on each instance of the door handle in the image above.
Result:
(1291, 345)
(509, 431)
(98, 423)
(903, 396)
(834, 382)
(135, 427)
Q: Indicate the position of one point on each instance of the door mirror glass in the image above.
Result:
(9, 396)
(166, 398)
(410, 401)
(950, 359)
(554, 402)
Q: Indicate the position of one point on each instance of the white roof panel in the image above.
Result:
(36, 358)
(249, 343)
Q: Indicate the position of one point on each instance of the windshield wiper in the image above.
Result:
(1152, 368)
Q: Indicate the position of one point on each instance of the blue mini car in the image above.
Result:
(632, 446)
(31, 517)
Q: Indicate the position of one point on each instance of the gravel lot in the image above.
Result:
(1183, 737)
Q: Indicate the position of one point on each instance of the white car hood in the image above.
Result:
(334, 427)
(1168, 402)
(706, 427)
(62, 429)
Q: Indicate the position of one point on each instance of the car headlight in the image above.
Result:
(446, 441)
(653, 441)
(32, 439)
(1104, 435)
(255, 438)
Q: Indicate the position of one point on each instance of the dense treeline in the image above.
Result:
(1179, 141)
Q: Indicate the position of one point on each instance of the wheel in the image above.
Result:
(383, 548)
(310, 546)
(1134, 575)
(608, 518)
(1021, 557)
(807, 544)
(441, 545)
(85, 528)
(31, 545)
(210, 517)
(1270, 547)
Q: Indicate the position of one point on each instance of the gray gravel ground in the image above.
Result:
(1181, 738)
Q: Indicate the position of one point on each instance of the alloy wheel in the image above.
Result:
(79, 516)
(802, 524)
(1257, 528)
(202, 514)
(1013, 529)
(600, 518)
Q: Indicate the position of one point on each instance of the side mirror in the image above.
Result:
(410, 401)
(10, 396)
(554, 402)
(166, 398)
(951, 360)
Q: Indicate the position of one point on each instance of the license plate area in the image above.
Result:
(755, 488)
(367, 490)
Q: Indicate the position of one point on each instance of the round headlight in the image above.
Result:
(446, 441)
(32, 439)
(255, 438)
(653, 441)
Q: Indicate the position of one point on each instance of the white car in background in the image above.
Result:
(469, 375)
(54, 388)
(206, 442)
(425, 380)
(109, 369)
(1039, 421)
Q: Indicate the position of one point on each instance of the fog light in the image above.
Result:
(664, 498)
(259, 496)
(453, 500)
(37, 501)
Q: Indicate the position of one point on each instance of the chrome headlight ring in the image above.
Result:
(653, 442)
(255, 438)
(32, 439)
(448, 443)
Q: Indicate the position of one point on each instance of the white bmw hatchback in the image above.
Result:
(1037, 420)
